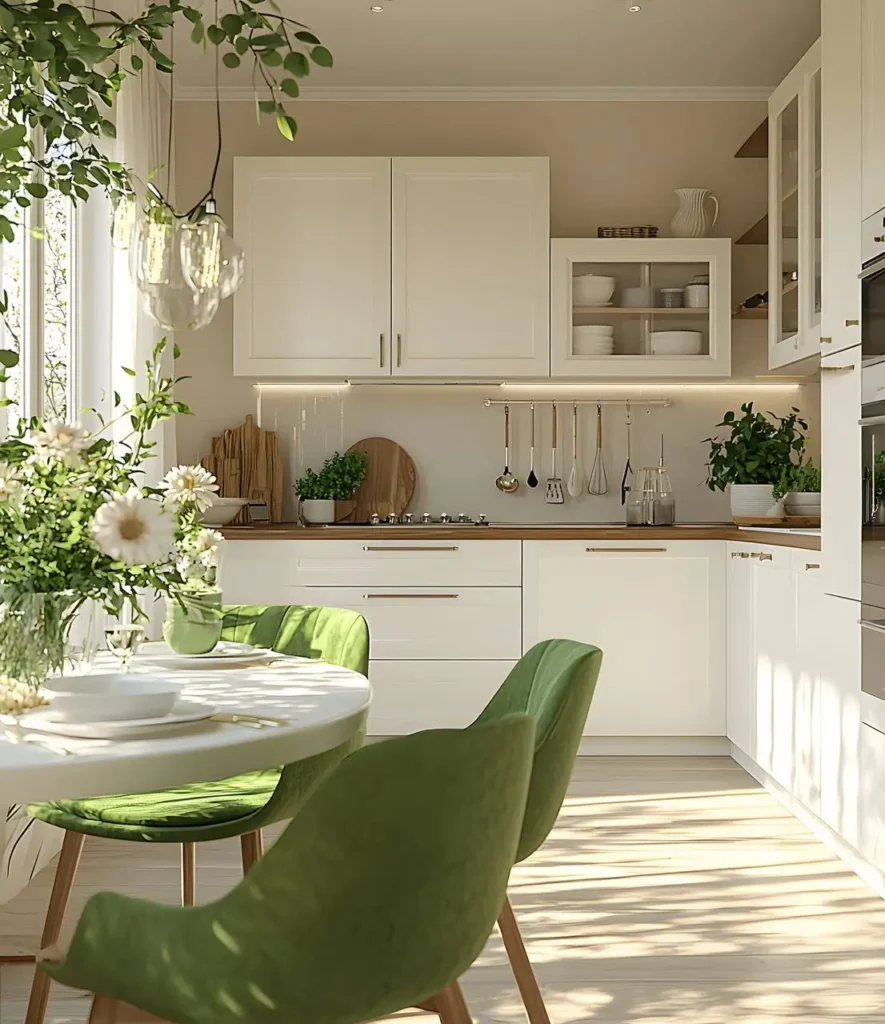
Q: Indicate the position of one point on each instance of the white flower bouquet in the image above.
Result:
(78, 523)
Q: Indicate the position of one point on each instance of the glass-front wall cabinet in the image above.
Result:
(794, 217)
(641, 307)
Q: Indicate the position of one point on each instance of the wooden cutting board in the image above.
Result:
(246, 463)
(389, 485)
(792, 522)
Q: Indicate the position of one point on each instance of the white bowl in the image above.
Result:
(583, 347)
(593, 330)
(109, 698)
(677, 343)
(222, 511)
(633, 297)
(592, 290)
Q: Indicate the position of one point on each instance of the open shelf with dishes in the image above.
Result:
(641, 307)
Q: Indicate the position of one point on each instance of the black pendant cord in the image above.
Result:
(210, 195)
(169, 128)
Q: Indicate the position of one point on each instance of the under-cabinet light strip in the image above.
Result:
(638, 388)
(638, 402)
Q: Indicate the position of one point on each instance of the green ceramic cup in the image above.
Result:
(193, 622)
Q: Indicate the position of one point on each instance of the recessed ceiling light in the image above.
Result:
(634, 8)
(376, 9)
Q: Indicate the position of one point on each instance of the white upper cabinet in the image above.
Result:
(471, 267)
(873, 107)
(795, 213)
(658, 307)
(316, 299)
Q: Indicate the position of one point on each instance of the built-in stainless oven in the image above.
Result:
(872, 280)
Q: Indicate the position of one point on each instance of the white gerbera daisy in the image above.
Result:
(60, 440)
(135, 530)
(10, 483)
(189, 484)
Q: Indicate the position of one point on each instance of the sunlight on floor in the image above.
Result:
(672, 889)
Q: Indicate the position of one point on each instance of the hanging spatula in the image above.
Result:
(553, 493)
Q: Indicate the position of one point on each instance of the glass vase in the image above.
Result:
(33, 636)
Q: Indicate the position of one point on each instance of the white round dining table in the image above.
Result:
(308, 707)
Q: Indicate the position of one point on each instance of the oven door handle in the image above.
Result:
(873, 268)
(874, 627)
(871, 421)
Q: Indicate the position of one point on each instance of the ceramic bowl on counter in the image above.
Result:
(592, 290)
(222, 511)
(677, 343)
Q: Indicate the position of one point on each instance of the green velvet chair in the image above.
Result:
(241, 806)
(553, 683)
(378, 897)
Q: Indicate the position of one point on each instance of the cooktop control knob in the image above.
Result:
(445, 518)
(427, 518)
(374, 519)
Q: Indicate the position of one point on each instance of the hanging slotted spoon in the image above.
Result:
(575, 483)
(598, 479)
(553, 492)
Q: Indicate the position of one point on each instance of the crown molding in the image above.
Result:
(494, 94)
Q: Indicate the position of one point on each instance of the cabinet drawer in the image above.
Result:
(386, 562)
(412, 695)
(430, 623)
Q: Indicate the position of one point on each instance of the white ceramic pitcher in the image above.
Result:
(691, 219)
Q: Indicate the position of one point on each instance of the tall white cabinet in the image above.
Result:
(409, 267)
(873, 13)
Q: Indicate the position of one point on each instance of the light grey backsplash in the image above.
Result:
(457, 443)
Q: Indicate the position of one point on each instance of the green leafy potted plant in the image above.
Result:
(339, 477)
(799, 487)
(751, 460)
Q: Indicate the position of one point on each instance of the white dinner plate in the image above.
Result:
(225, 653)
(183, 713)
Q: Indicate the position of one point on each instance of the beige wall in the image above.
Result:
(610, 163)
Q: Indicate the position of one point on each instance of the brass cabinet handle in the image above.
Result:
(635, 551)
(836, 369)
(399, 350)
(740, 554)
(812, 565)
(826, 341)
(852, 323)
(381, 349)
(762, 556)
(409, 547)
(419, 597)
(879, 238)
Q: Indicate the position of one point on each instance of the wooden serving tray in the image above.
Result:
(784, 522)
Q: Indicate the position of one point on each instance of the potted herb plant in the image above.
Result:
(799, 486)
(751, 460)
(339, 477)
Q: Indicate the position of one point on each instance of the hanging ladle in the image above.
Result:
(627, 478)
(507, 482)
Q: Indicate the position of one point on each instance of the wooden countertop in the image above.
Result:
(291, 531)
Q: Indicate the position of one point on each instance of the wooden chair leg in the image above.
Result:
(521, 966)
(188, 873)
(58, 901)
(252, 846)
(451, 1006)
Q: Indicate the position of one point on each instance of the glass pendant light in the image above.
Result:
(201, 249)
(123, 222)
(233, 266)
(156, 249)
(174, 305)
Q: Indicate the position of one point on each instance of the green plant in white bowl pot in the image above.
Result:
(799, 487)
(339, 477)
(752, 459)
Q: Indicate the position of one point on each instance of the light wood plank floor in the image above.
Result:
(673, 889)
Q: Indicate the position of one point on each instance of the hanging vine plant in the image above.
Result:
(61, 67)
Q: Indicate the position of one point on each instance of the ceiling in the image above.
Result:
(537, 44)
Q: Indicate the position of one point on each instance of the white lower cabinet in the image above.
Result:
(778, 633)
(656, 610)
(411, 695)
(872, 771)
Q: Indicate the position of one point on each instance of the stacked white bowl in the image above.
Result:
(593, 340)
(677, 343)
(592, 290)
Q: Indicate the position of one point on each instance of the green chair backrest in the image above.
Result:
(554, 683)
(335, 635)
(380, 894)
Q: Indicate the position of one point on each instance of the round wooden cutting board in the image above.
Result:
(389, 485)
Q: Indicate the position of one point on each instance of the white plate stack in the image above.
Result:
(677, 343)
(593, 340)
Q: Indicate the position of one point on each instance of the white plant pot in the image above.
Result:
(802, 503)
(318, 510)
(751, 499)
